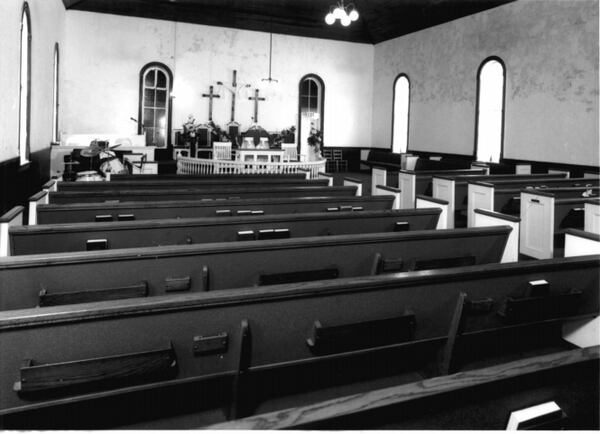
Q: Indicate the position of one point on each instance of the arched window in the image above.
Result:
(490, 110)
(55, 137)
(311, 98)
(156, 84)
(25, 85)
(400, 114)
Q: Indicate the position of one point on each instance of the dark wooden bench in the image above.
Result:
(237, 192)
(480, 399)
(168, 184)
(71, 213)
(499, 195)
(27, 240)
(76, 277)
(190, 360)
(248, 176)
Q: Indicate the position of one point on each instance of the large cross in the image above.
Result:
(210, 95)
(256, 100)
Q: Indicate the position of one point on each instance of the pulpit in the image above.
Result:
(221, 151)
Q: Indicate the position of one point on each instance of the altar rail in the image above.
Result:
(202, 166)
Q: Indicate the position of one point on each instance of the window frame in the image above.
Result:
(56, 93)
(476, 138)
(24, 148)
(169, 102)
(321, 101)
(398, 77)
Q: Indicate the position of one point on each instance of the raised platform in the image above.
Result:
(201, 166)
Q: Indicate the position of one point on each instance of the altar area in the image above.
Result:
(249, 164)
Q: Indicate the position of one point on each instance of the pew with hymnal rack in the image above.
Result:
(69, 237)
(249, 351)
(214, 266)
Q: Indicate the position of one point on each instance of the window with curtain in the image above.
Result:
(490, 110)
(24, 85)
(55, 137)
(400, 114)
(155, 92)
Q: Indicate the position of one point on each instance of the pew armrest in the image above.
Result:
(378, 177)
(354, 182)
(40, 198)
(96, 373)
(13, 217)
(328, 176)
(483, 217)
(383, 190)
(579, 243)
(432, 202)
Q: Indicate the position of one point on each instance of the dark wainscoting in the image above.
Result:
(19, 183)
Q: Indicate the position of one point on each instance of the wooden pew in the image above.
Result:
(238, 192)
(176, 176)
(76, 277)
(499, 195)
(169, 184)
(579, 243)
(71, 213)
(70, 237)
(196, 358)
(472, 400)
(545, 215)
(454, 189)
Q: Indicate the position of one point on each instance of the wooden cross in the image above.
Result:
(256, 100)
(210, 95)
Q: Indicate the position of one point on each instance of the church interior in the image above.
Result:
(299, 214)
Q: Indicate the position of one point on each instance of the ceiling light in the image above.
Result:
(346, 14)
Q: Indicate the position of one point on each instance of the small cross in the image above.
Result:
(210, 95)
(256, 100)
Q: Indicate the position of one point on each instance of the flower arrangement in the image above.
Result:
(285, 134)
(217, 134)
(315, 140)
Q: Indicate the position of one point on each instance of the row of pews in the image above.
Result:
(548, 211)
(209, 301)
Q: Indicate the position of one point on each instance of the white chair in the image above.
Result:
(248, 143)
(290, 152)
(263, 143)
(221, 150)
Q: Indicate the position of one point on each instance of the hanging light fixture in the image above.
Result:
(346, 14)
(270, 80)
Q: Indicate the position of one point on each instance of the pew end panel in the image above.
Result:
(579, 243)
(445, 189)
(480, 196)
(537, 224)
(40, 198)
(490, 218)
(348, 181)
(382, 190)
(327, 176)
(592, 216)
(378, 177)
(12, 218)
(430, 202)
(51, 185)
(407, 182)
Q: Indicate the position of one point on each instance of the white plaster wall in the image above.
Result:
(105, 53)
(47, 28)
(550, 49)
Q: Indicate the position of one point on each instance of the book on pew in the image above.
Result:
(542, 416)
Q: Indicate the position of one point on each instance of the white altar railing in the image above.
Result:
(202, 166)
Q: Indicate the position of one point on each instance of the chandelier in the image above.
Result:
(346, 14)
